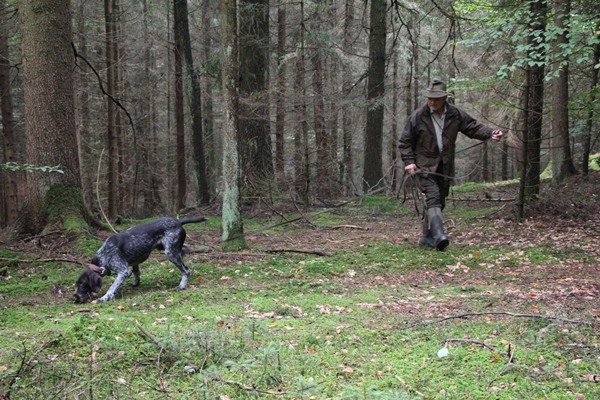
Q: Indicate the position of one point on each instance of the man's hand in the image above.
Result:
(497, 135)
(410, 169)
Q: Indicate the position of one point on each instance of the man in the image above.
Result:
(427, 147)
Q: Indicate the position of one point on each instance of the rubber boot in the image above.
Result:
(426, 238)
(436, 225)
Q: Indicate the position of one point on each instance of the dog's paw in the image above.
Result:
(105, 298)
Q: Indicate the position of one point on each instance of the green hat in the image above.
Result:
(436, 90)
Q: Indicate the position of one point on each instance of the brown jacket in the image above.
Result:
(418, 144)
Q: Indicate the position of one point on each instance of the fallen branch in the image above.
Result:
(315, 252)
(510, 314)
(241, 386)
(361, 228)
(43, 260)
(487, 200)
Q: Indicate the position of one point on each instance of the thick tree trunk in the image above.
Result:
(231, 218)
(587, 139)
(82, 111)
(49, 115)
(302, 150)
(535, 105)
(192, 90)
(112, 178)
(179, 118)
(323, 161)
(280, 97)
(373, 167)
(9, 180)
(562, 161)
(254, 128)
(348, 128)
(213, 142)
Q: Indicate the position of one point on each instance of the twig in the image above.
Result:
(510, 314)
(148, 335)
(248, 388)
(478, 342)
(98, 191)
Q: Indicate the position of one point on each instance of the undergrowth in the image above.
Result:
(373, 317)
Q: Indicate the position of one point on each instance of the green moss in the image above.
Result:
(65, 208)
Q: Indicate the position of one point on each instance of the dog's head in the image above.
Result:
(88, 285)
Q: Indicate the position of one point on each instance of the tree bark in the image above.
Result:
(179, 116)
(192, 89)
(373, 167)
(48, 61)
(254, 128)
(562, 161)
(280, 96)
(321, 140)
(112, 112)
(9, 180)
(535, 105)
(231, 218)
(347, 167)
(587, 139)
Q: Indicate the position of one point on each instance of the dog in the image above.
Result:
(129, 249)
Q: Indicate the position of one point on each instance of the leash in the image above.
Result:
(415, 191)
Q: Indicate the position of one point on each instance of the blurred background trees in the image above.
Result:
(324, 90)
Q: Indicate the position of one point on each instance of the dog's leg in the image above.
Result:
(123, 273)
(174, 255)
(136, 275)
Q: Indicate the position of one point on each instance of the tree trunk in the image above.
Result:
(231, 218)
(213, 142)
(394, 139)
(179, 116)
(280, 96)
(302, 149)
(587, 139)
(321, 140)
(49, 115)
(83, 113)
(347, 167)
(9, 180)
(192, 90)
(562, 161)
(254, 128)
(373, 168)
(535, 103)
(149, 176)
(112, 117)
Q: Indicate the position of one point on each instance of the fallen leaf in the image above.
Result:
(443, 352)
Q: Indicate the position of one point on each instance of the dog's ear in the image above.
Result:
(95, 282)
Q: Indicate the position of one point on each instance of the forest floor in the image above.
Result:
(351, 286)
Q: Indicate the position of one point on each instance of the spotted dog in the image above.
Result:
(129, 249)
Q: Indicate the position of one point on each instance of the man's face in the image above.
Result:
(436, 104)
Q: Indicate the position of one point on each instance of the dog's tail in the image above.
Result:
(192, 220)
